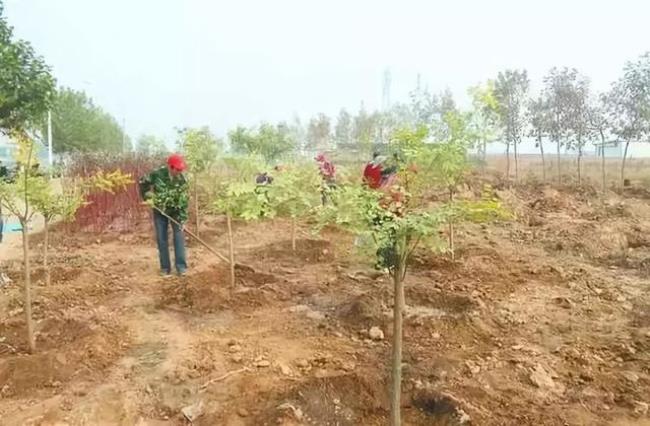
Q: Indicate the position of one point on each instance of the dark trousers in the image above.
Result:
(161, 224)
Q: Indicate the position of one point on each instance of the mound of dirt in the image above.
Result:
(210, 291)
(364, 311)
(64, 347)
(307, 251)
(338, 400)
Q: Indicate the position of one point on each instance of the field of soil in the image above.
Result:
(542, 320)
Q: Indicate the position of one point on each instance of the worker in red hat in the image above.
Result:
(166, 189)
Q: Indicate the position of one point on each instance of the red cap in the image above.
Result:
(176, 162)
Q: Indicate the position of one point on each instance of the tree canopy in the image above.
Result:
(267, 140)
(26, 82)
(78, 125)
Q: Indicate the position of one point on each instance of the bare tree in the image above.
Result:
(511, 88)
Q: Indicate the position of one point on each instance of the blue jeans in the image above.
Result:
(161, 223)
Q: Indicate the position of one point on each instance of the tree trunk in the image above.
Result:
(28, 284)
(196, 205)
(452, 250)
(484, 154)
(508, 161)
(627, 145)
(46, 245)
(398, 306)
(579, 163)
(516, 163)
(541, 150)
(559, 166)
(231, 251)
(602, 162)
(293, 234)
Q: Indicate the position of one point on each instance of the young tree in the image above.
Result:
(26, 82)
(17, 198)
(629, 105)
(200, 147)
(294, 194)
(237, 196)
(398, 220)
(511, 90)
(484, 121)
(537, 116)
(52, 206)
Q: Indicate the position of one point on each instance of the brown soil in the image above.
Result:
(544, 319)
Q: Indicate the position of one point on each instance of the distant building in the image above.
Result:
(612, 149)
(615, 149)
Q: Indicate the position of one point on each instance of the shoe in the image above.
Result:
(181, 273)
(164, 274)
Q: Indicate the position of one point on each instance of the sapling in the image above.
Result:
(237, 197)
(294, 194)
(53, 206)
(397, 220)
(200, 148)
(64, 205)
(17, 198)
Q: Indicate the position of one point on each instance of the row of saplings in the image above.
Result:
(394, 220)
(30, 193)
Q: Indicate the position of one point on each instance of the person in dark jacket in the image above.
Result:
(166, 189)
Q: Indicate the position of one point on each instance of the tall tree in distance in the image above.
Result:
(537, 115)
(629, 105)
(26, 82)
(266, 140)
(319, 133)
(484, 120)
(579, 118)
(599, 126)
(150, 145)
(559, 94)
(78, 125)
(343, 129)
(511, 91)
(364, 130)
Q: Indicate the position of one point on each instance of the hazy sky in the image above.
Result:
(166, 63)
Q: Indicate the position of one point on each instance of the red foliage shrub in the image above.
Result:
(121, 211)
